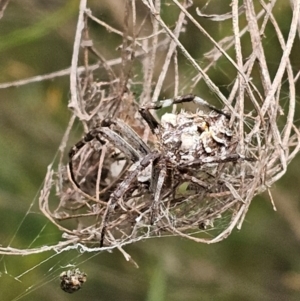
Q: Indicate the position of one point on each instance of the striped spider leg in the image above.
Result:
(122, 137)
(172, 101)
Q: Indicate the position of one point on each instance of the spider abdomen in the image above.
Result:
(186, 137)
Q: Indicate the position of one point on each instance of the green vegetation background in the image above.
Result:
(260, 262)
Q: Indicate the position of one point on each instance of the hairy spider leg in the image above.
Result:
(154, 124)
(159, 173)
(120, 143)
(229, 158)
(195, 180)
(191, 98)
(122, 188)
(96, 133)
(76, 148)
(87, 138)
(130, 144)
(131, 136)
(149, 118)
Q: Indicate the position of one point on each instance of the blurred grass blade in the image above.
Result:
(157, 286)
(39, 29)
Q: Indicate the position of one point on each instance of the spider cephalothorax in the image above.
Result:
(187, 164)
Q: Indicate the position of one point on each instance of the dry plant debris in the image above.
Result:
(194, 172)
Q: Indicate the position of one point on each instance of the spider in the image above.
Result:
(72, 280)
(187, 142)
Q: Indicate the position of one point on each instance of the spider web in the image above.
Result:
(51, 254)
(30, 275)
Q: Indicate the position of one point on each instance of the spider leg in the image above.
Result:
(149, 118)
(122, 188)
(75, 149)
(229, 158)
(120, 143)
(159, 173)
(87, 138)
(125, 147)
(196, 181)
(188, 98)
(131, 136)
(153, 123)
